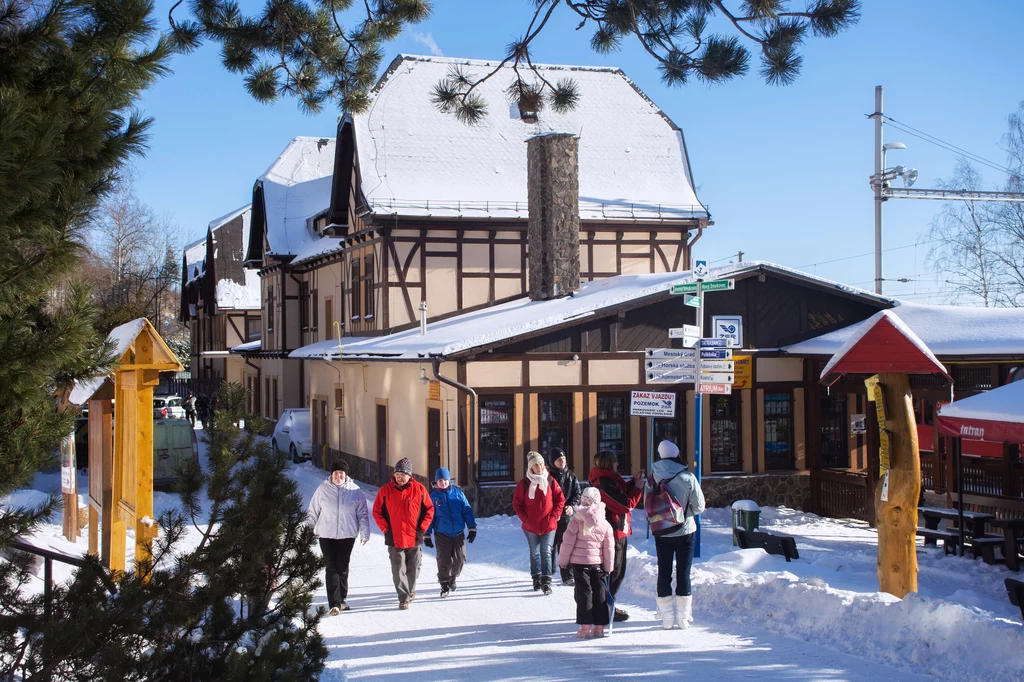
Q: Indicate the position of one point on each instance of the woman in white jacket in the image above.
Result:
(676, 546)
(337, 513)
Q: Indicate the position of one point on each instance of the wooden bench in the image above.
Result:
(779, 545)
(985, 547)
(1009, 521)
(1015, 590)
(950, 538)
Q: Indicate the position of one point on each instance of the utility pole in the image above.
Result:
(739, 257)
(879, 160)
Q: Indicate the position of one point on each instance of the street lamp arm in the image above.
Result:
(948, 194)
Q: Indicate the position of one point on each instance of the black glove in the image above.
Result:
(471, 536)
(428, 541)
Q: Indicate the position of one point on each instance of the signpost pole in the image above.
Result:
(698, 412)
(650, 465)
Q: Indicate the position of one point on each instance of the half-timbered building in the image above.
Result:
(220, 300)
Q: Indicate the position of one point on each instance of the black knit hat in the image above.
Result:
(339, 465)
(555, 452)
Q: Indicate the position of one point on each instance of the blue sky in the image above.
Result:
(784, 170)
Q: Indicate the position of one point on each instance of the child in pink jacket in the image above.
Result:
(589, 547)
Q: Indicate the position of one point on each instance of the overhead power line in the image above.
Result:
(948, 146)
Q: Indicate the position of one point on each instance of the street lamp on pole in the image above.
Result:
(881, 179)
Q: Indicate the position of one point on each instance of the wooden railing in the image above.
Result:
(928, 474)
(841, 494)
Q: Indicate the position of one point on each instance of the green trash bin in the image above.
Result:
(746, 514)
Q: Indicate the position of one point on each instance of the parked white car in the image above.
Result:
(168, 407)
(292, 435)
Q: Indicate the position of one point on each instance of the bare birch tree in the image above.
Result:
(965, 242)
(1009, 217)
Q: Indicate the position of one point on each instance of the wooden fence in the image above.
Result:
(842, 494)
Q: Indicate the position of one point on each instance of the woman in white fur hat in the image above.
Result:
(676, 546)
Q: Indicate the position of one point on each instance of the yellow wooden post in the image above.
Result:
(899, 485)
(148, 378)
(124, 442)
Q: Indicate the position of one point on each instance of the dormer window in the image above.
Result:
(320, 222)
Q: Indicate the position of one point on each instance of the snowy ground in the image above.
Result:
(817, 618)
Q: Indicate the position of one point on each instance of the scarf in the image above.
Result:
(538, 481)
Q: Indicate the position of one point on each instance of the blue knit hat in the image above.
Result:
(442, 473)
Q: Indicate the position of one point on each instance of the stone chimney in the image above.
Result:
(552, 176)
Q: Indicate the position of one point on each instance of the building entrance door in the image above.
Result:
(433, 441)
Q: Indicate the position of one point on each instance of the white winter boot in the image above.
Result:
(684, 612)
(668, 616)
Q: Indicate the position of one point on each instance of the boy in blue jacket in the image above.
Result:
(452, 514)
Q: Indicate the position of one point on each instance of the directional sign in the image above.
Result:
(670, 378)
(714, 343)
(716, 378)
(690, 341)
(684, 331)
(716, 354)
(669, 353)
(713, 285)
(717, 389)
(693, 301)
(671, 365)
(712, 366)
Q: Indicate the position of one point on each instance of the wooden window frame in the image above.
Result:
(355, 307)
(510, 426)
(314, 309)
(328, 318)
(304, 306)
(623, 457)
(772, 460)
(367, 287)
(737, 418)
(270, 308)
(339, 400)
(567, 423)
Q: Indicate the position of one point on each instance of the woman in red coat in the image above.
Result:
(619, 498)
(538, 502)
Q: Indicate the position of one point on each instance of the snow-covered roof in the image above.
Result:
(874, 322)
(946, 330)
(194, 255)
(739, 269)
(234, 296)
(297, 187)
(1004, 404)
(247, 346)
(523, 316)
(632, 158)
(120, 339)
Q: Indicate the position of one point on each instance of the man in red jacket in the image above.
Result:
(403, 512)
(619, 498)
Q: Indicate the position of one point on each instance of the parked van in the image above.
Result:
(174, 441)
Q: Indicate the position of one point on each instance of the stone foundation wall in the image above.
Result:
(767, 490)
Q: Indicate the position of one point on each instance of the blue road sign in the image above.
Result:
(716, 354)
(714, 343)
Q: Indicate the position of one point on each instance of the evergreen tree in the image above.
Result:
(70, 72)
(227, 595)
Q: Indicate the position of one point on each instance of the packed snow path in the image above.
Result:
(495, 627)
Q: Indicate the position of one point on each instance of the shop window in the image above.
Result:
(672, 430)
(725, 433)
(555, 426)
(612, 427)
(495, 439)
(834, 447)
(778, 431)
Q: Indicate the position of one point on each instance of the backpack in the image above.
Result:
(664, 514)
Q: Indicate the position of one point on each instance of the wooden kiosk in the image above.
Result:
(885, 348)
(121, 468)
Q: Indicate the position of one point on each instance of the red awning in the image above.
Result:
(995, 416)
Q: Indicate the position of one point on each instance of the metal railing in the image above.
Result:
(49, 556)
(608, 209)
